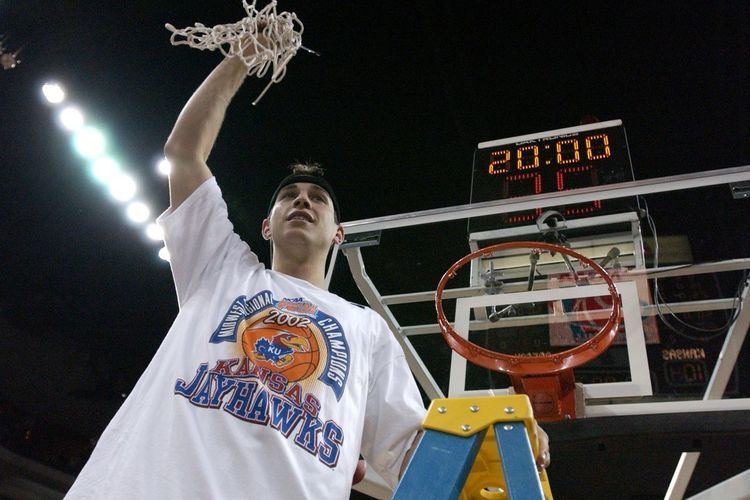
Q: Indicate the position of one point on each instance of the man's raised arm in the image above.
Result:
(197, 127)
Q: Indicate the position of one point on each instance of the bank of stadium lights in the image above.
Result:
(91, 144)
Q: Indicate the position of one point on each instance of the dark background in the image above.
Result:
(393, 108)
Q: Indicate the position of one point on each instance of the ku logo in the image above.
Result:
(283, 343)
(280, 350)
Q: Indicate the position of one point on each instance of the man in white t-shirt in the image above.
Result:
(266, 385)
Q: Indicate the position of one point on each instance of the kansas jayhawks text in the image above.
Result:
(256, 395)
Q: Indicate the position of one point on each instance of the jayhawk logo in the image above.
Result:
(280, 350)
(292, 350)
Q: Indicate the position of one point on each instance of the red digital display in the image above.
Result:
(559, 160)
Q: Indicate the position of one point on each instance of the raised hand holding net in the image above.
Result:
(263, 39)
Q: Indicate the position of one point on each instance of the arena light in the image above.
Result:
(138, 212)
(53, 92)
(164, 167)
(71, 118)
(89, 142)
(154, 232)
(105, 169)
(164, 254)
(122, 187)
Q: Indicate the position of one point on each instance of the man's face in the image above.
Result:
(302, 215)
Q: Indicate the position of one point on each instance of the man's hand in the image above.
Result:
(247, 48)
(360, 471)
(542, 441)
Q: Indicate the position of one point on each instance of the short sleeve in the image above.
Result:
(394, 409)
(200, 238)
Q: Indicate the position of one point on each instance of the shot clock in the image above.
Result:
(556, 160)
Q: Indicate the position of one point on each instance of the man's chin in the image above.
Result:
(298, 238)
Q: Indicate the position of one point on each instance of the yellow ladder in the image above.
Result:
(476, 448)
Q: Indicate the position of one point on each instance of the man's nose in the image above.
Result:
(302, 201)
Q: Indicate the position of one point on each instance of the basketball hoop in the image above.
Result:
(548, 380)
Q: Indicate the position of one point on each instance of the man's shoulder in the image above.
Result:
(356, 309)
(367, 316)
(360, 309)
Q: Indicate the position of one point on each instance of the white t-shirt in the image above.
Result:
(265, 386)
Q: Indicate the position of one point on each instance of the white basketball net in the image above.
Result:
(262, 40)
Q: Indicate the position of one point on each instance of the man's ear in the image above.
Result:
(338, 238)
(265, 229)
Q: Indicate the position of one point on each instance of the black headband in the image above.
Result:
(312, 179)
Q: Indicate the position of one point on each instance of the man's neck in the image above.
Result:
(310, 271)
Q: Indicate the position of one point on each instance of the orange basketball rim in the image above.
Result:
(548, 380)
